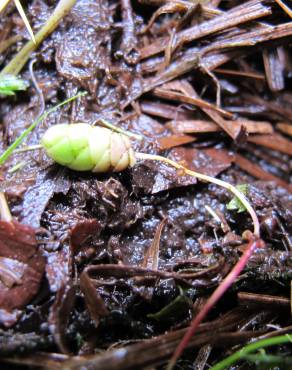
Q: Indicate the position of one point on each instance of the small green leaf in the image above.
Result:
(9, 84)
(176, 309)
(235, 203)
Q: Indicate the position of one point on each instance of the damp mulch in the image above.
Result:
(107, 271)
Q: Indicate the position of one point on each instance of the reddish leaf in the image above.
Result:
(21, 267)
(83, 231)
(60, 314)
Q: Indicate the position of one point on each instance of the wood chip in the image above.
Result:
(286, 128)
(200, 126)
(273, 141)
(258, 172)
(172, 141)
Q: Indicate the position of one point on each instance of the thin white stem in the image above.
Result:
(209, 179)
(5, 214)
(28, 148)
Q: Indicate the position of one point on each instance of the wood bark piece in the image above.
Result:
(257, 171)
(241, 14)
(200, 126)
(274, 142)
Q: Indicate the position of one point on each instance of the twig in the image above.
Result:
(17, 63)
(286, 8)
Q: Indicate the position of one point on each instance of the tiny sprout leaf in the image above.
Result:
(178, 308)
(10, 83)
(235, 203)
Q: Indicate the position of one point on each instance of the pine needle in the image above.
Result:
(3, 5)
(25, 20)
(22, 14)
(285, 7)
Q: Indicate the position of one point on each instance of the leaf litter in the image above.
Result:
(205, 85)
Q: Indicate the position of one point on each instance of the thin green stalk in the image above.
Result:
(17, 63)
(4, 156)
(120, 130)
(271, 360)
(239, 355)
(17, 167)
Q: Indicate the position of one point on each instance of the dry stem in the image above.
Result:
(17, 63)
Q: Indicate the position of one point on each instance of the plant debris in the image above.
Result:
(109, 270)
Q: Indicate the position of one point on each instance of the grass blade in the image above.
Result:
(9, 84)
(242, 353)
(19, 140)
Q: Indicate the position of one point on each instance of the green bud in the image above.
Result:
(83, 147)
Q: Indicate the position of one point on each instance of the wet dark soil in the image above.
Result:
(79, 280)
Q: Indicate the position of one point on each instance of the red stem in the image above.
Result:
(214, 298)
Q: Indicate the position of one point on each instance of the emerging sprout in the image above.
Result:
(235, 203)
(9, 84)
(83, 147)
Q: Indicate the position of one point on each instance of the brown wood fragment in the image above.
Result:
(257, 171)
(172, 141)
(171, 95)
(274, 70)
(200, 126)
(286, 128)
(266, 301)
(164, 110)
(193, 126)
(232, 72)
(129, 41)
(246, 12)
(215, 116)
(273, 141)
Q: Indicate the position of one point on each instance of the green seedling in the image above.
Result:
(9, 84)
(235, 203)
